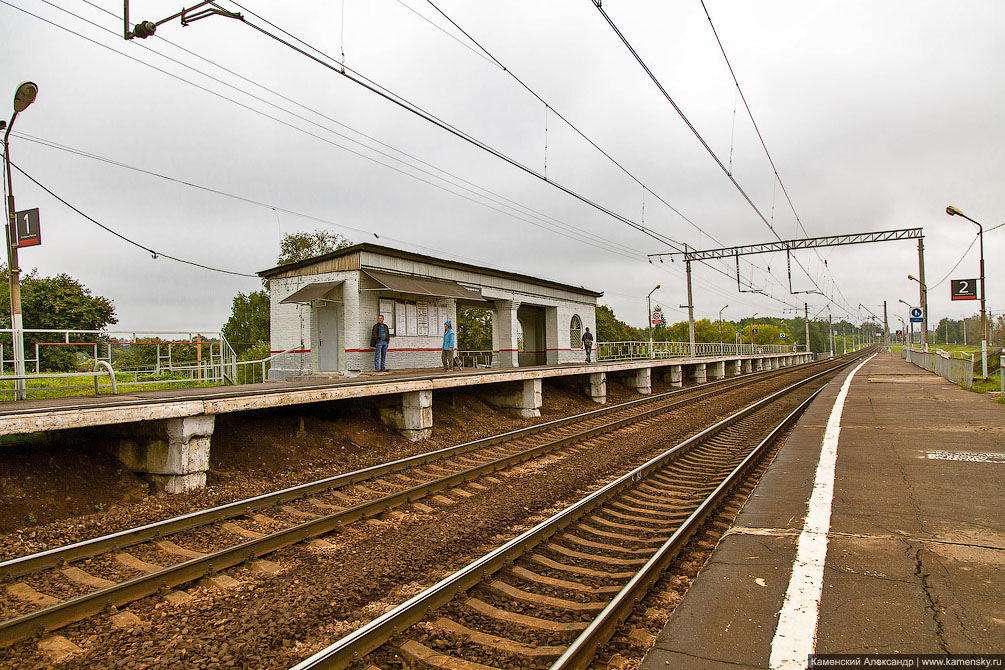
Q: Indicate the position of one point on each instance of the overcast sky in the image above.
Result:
(209, 142)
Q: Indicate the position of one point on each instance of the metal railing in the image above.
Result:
(957, 367)
(476, 358)
(257, 371)
(214, 361)
(633, 350)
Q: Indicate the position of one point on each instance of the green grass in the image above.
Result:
(56, 387)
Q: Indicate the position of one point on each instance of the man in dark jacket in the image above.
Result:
(380, 338)
(588, 343)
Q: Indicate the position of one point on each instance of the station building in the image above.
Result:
(323, 310)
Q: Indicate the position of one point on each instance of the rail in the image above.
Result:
(634, 350)
(172, 357)
(349, 649)
(957, 366)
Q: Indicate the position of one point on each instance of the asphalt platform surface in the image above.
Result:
(911, 556)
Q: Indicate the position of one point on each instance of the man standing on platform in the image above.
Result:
(380, 338)
(588, 343)
(449, 346)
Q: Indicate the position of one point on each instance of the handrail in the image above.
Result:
(111, 373)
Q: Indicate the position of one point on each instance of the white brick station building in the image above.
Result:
(323, 309)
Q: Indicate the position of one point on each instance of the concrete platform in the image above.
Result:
(911, 551)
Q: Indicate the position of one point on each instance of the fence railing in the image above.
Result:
(213, 360)
(476, 358)
(633, 350)
(957, 367)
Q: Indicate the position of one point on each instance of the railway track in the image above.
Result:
(551, 596)
(303, 512)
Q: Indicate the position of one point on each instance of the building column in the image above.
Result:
(717, 370)
(674, 377)
(596, 387)
(640, 380)
(412, 417)
(520, 399)
(505, 326)
(698, 373)
(173, 453)
(551, 339)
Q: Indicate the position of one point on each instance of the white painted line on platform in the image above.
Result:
(795, 635)
(965, 456)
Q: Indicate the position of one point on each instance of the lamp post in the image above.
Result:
(923, 296)
(24, 96)
(720, 327)
(909, 316)
(952, 211)
(649, 317)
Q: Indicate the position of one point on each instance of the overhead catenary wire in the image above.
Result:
(572, 126)
(694, 130)
(374, 87)
(548, 222)
(760, 137)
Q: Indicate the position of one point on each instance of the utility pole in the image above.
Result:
(690, 309)
(886, 330)
(924, 293)
(806, 318)
(830, 332)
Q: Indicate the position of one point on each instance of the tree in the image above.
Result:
(249, 320)
(59, 302)
(297, 247)
(610, 329)
(474, 328)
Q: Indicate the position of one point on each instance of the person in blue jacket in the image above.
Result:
(449, 346)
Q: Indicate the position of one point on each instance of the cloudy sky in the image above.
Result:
(208, 142)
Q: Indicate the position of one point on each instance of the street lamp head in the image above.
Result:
(24, 96)
(952, 211)
(657, 286)
(913, 278)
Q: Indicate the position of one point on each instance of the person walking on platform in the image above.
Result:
(588, 343)
(380, 338)
(449, 346)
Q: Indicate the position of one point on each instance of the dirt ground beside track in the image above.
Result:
(51, 492)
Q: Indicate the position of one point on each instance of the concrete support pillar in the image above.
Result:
(736, 367)
(717, 370)
(596, 387)
(776, 363)
(521, 399)
(640, 381)
(674, 377)
(174, 453)
(758, 364)
(505, 326)
(748, 366)
(412, 417)
(698, 373)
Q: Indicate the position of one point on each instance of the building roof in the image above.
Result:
(408, 255)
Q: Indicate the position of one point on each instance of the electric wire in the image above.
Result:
(680, 112)
(647, 231)
(575, 128)
(547, 221)
(760, 138)
(374, 87)
(155, 254)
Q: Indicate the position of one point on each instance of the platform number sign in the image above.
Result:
(917, 315)
(963, 289)
(27, 228)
